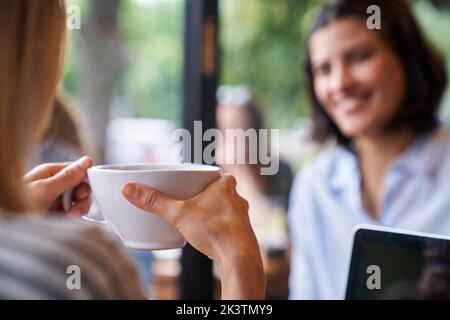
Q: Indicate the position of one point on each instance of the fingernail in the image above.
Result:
(85, 162)
(128, 190)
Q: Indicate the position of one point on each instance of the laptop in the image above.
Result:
(392, 264)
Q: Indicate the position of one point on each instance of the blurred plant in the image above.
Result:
(261, 43)
(153, 37)
(262, 47)
(435, 22)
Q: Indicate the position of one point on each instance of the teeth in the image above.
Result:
(348, 102)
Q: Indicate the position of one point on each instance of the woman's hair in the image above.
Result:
(425, 70)
(65, 125)
(32, 38)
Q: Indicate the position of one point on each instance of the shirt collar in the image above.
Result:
(422, 157)
(344, 171)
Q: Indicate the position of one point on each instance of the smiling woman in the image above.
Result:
(362, 73)
(410, 55)
(376, 93)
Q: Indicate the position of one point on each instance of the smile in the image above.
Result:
(353, 103)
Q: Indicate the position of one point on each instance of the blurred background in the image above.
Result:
(125, 73)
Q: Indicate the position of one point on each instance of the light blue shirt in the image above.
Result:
(325, 205)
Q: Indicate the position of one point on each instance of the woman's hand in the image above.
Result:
(47, 183)
(216, 223)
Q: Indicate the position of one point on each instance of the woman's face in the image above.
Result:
(358, 78)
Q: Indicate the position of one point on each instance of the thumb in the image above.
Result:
(69, 177)
(153, 201)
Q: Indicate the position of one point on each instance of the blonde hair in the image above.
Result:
(32, 40)
(66, 124)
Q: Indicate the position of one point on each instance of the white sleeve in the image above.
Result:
(301, 229)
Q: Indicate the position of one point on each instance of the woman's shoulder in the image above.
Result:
(65, 230)
(432, 150)
(442, 136)
(54, 248)
(436, 153)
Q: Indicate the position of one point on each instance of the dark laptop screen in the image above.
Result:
(389, 265)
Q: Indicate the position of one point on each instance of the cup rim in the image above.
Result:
(158, 167)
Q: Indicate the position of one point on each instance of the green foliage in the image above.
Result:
(435, 24)
(261, 45)
(73, 61)
(153, 38)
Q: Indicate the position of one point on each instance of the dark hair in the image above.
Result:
(425, 70)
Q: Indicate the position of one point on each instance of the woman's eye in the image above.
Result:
(360, 55)
(322, 69)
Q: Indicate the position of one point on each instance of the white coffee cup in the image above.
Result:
(139, 229)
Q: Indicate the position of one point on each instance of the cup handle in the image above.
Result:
(92, 217)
